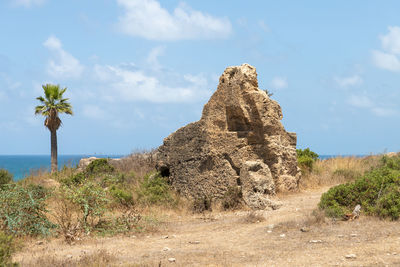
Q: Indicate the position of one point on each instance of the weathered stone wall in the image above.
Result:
(239, 141)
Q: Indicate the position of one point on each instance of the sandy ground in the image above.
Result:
(229, 239)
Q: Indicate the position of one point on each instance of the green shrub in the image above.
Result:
(5, 177)
(112, 179)
(91, 199)
(378, 193)
(232, 199)
(99, 166)
(7, 248)
(22, 210)
(74, 179)
(122, 196)
(306, 159)
(154, 190)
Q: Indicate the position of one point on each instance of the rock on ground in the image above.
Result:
(238, 142)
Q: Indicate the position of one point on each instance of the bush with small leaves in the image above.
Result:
(122, 196)
(154, 190)
(5, 177)
(306, 159)
(99, 166)
(23, 210)
(7, 248)
(91, 199)
(377, 191)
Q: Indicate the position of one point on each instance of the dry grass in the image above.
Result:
(101, 258)
(139, 163)
(253, 217)
(337, 170)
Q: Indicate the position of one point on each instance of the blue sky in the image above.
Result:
(137, 70)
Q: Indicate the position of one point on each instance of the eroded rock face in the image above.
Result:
(239, 141)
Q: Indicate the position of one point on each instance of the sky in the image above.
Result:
(138, 70)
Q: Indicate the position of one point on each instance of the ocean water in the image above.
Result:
(21, 165)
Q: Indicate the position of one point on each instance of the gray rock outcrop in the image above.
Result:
(239, 141)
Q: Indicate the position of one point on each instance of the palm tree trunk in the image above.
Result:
(53, 139)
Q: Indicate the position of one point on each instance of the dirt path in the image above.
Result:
(230, 239)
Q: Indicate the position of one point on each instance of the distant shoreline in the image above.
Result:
(22, 165)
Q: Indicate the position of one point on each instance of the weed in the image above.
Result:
(253, 217)
(22, 210)
(232, 199)
(202, 204)
(346, 174)
(99, 166)
(306, 159)
(90, 198)
(7, 248)
(5, 177)
(155, 190)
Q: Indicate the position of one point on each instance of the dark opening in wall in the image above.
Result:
(236, 119)
(164, 171)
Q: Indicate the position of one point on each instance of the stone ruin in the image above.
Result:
(238, 142)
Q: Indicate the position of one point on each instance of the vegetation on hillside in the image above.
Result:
(377, 191)
(306, 159)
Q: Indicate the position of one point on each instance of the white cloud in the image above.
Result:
(279, 83)
(27, 3)
(391, 41)
(152, 58)
(362, 101)
(386, 61)
(383, 112)
(147, 19)
(349, 81)
(122, 84)
(63, 65)
(263, 25)
(93, 112)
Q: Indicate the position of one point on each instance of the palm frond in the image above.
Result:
(53, 101)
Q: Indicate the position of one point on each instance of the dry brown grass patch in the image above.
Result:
(337, 170)
(253, 217)
(101, 258)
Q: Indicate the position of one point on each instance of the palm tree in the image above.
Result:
(53, 104)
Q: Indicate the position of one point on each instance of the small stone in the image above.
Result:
(166, 249)
(350, 256)
(194, 242)
(340, 236)
(69, 256)
(271, 226)
(282, 235)
(165, 237)
(353, 235)
(315, 241)
(174, 236)
(39, 242)
(269, 231)
(172, 260)
(133, 236)
(304, 229)
(394, 253)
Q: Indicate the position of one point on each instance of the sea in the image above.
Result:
(22, 165)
